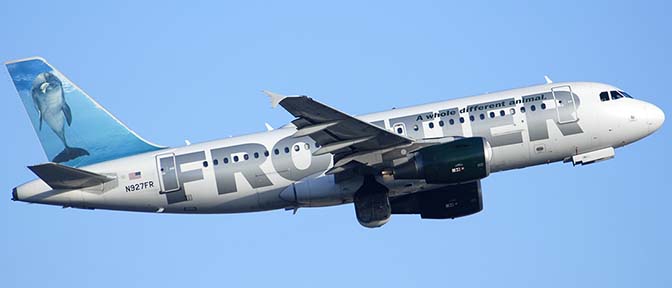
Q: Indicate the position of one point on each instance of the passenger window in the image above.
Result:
(604, 96)
(297, 148)
(235, 158)
(276, 151)
(266, 153)
(205, 164)
(431, 125)
(615, 95)
(522, 109)
(256, 154)
(512, 111)
(246, 157)
(441, 123)
(492, 114)
(502, 113)
(482, 116)
(286, 149)
(451, 121)
(226, 160)
(471, 118)
(461, 119)
(215, 162)
(307, 146)
(543, 106)
(415, 127)
(400, 131)
(533, 108)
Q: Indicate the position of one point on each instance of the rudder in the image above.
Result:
(73, 129)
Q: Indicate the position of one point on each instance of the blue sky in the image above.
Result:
(194, 70)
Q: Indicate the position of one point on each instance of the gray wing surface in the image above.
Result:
(338, 133)
(333, 129)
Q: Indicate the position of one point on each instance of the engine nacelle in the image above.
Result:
(458, 161)
(448, 202)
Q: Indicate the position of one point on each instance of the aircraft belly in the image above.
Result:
(322, 191)
(509, 157)
(557, 147)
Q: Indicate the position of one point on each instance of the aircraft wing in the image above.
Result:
(352, 141)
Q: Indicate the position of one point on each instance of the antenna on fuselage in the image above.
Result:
(294, 209)
(548, 80)
(268, 126)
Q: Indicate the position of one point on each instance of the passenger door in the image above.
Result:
(168, 178)
(565, 104)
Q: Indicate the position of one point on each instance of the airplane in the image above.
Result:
(425, 160)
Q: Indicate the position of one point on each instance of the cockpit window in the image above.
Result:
(625, 94)
(615, 95)
(604, 96)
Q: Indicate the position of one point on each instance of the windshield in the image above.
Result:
(625, 94)
(615, 95)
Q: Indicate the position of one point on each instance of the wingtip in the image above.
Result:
(274, 97)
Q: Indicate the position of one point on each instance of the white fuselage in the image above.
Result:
(272, 170)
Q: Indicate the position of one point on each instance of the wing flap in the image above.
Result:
(312, 129)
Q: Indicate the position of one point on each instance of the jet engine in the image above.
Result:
(448, 202)
(458, 161)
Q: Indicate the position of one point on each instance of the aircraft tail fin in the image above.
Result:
(58, 176)
(73, 129)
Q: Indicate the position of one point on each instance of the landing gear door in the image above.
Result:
(565, 104)
(167, 173)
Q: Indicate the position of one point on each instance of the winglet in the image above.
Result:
(275, 98)
(268, 126)
(548, 80)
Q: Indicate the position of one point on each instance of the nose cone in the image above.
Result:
(654, 118)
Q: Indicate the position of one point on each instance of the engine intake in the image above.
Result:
(458, 161)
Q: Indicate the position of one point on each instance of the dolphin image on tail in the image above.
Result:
(53, 100)
(49, 100)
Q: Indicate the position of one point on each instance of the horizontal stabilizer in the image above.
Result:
(59, 176)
